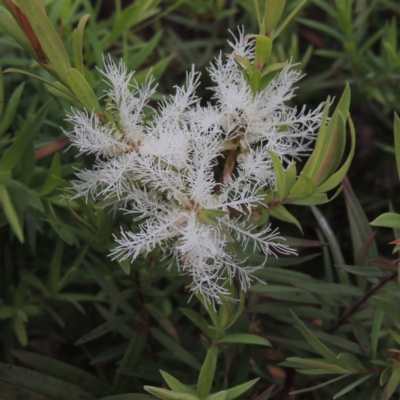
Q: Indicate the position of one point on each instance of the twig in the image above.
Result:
(355, 306)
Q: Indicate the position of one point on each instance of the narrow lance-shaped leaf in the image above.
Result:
(272, 14)
(13, 155)
(1, 92)
(207, 372)
(10, 112)
(63, 371)
(279, 173)
(176, 385)
(77, 43)
(82, 90)
(397, 141)
(245, 338)
(168, 394)
(339, 175)
(314, 341)
(10, 213)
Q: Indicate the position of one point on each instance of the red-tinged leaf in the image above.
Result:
(265, 394)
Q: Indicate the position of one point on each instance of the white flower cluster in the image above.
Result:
(163, 164)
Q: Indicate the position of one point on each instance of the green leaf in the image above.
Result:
(373, 272)
(281, 213)
(322, 27)
(10, 213)
(56, 85)
(6, 312)
(42, 383)
(314, 159)
(225, 310)
(10, 392)
(77, 42)
(291, 15)
(375, 332)
(142, 55)
(339, 175)
(315, 200)
(351, 362)
(20, 330)
(247, 338)
(236, 391)
(394, 335)
(198, 320)
(131, 357)
(389, 309)
(128, 396)
(332, 155)
(272, 14)
(397, 141)
(5, 178)
(82, 90)
(387, 220)
(103, 329)
(290, 177)
(168, 394)
(155, 70)
(361, 334)
(129, 17)
(177, 350)
(353, 385)
(238, 313)
(62, 371)
(303, 189)
(333, 242)
(10, 112)
(263, 50)
(163, 321)
(207, 373)
(176, 385)
(391, 385)
(305, 363)
(13, 155)
(279, 174)
(51, 182)
(359, 226)
(314, 341)
(330, 289)
(385, 375)
(217, 396)
(326, 383)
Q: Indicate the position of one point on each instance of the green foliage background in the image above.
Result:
(327, 325)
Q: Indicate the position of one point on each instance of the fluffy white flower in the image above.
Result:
(165, 170)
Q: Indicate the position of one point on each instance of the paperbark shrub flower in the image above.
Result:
(194, 178)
